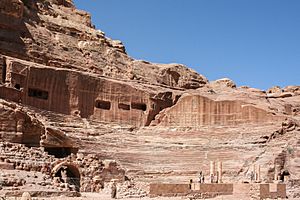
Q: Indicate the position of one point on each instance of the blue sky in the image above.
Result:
(253, 42)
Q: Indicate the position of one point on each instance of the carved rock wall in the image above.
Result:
(81, 94)
(196, 110)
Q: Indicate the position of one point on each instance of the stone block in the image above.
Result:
(7, 166)
(220, 189)
(272, 191)
(164, 189)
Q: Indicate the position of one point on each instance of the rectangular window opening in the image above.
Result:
(123, 106)
(139, 106)
(40, 94)
(105, 105)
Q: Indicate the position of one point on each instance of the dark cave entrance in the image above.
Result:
(61, 152)
(18, 86)
(36, 93)
(68, 173)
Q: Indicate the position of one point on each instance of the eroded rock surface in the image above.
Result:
(54, 33)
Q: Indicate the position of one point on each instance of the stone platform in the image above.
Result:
(211, 190)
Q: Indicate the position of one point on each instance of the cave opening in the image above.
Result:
(284, 174)
(60, 152)
(18, 86)
(69, 174)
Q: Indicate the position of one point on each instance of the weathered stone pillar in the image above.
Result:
(19, 126)
(212, 171)
(258, 174)
(254, 172)
(219, 171)
(275, 173)
(8, 70)
(212, 168)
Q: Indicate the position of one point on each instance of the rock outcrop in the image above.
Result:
(55, 34)
(197, 110)
(224, 82)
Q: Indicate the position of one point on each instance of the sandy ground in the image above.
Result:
(97, 196)
(107, 197)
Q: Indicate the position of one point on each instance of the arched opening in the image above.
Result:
(284, 174)
(67, 173)
(18, 86)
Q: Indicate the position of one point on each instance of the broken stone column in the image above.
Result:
(219, 172)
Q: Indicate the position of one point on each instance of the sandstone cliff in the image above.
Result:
(68, 89)
(56, 34)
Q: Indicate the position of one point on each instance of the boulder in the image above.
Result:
(292, 89)
(224, 82)
(275, 89)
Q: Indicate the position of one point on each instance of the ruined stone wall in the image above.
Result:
(196, 110)
(17, 126)
(94, 173)
(272, 191)
(213, 189)
(10, 94)
(8, 121)
(169, 190)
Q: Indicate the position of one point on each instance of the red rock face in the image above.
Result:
(55, 34)
(66, 87)
(80, 94)
(12, 8)
(196, 110)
